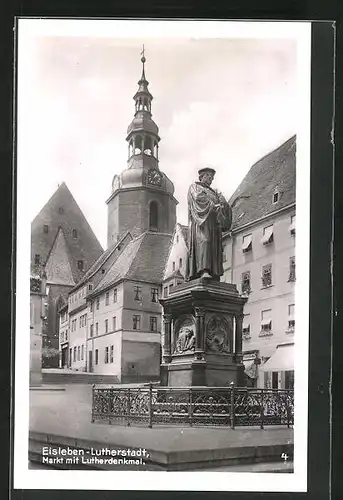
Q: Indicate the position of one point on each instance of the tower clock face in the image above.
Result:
(154, 177)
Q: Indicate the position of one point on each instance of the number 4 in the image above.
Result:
(284, 456)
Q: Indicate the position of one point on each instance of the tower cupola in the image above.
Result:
(142, 133)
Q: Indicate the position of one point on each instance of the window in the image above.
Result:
(266, 322)
(74, 356)
(291, 276)
(268, 235)
(180, 262)
(246, 282)
(136, 322)
(90, 287)
(74, 233)
(37, 258)
(266, 276)
(153, 216)
(138, 292)
(246, 327)
(96, 356)
(173, 266)
(103, 271)
(289, 379)
(114, 323)
(61, 210)
(96, 328)
(153, 323)
(276, 196)
(66, 334)
(80, 321)
(111, 353)
(291, 320)
(292, 226)
(177, 239)
(247, 243)
(78, 353)
(154, 295)
(46, 228)
(107, 298)
(171, 287)
(106, 325)
(275, 380)
(115, 295)
(106, 354)
(97, 302)
(91, 330)
(82, 351)
(80, 265)
(165, 291)
(70, 355)
(91, 306)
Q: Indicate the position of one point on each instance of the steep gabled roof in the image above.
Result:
(143, 259)
(102, 260)
(253, 199)
(62, 211)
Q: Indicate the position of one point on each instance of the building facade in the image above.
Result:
(63, 246)
(38, 308)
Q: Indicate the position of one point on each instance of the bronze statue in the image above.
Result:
(209, 215)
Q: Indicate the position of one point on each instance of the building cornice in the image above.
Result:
(144, 188)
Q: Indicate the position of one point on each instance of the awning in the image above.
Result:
(266, 322)
(268, 235)
(281, 360)
(250, 368)
(247, 242)
(292, 227)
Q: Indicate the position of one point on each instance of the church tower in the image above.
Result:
(142, 196)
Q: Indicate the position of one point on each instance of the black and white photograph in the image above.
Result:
(163, 217)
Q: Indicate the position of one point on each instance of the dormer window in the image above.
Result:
(268, 236)
(74, 232)
(61, 210)
(45, 228)
(80, 265)
(276, 196)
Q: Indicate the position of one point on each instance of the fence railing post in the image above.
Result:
(190, 409)
(232, 406)
(150, 406)
(109, 393)
(262, 409)
(93, 403)
(128, 407)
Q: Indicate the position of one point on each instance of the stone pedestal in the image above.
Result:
(202, 335)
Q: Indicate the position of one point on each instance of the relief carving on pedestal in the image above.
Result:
(217, 334)
(184, 335)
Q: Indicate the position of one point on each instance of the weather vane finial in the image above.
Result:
(143, 55)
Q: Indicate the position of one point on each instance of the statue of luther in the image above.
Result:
(209, 215)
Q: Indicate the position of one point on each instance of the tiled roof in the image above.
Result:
(143, 259)
(57, 267)
(84, 247)
(253, 199)
(101, 261)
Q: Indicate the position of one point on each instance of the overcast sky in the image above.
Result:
(218, 102)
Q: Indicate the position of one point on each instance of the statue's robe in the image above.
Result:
(205, 231)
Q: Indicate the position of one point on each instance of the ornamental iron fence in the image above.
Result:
(193, 406)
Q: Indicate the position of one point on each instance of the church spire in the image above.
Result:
(142, 133)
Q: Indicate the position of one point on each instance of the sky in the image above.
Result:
(219, 102)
